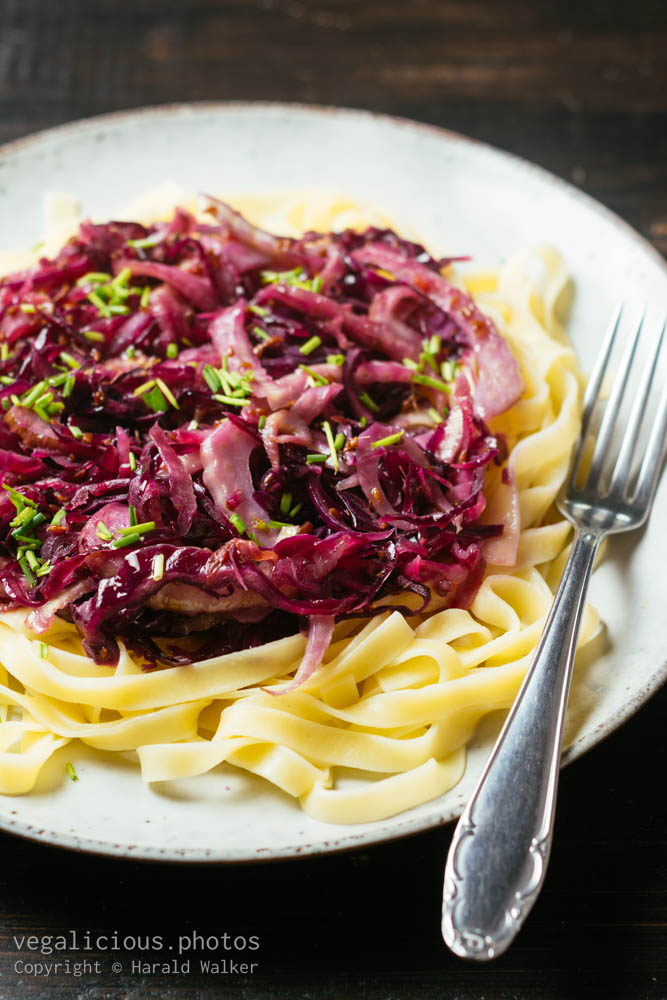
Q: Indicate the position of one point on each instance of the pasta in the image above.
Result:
(383, 724)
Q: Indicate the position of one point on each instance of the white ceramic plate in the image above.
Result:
(459, 194)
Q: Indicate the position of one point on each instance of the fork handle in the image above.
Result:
(499, 853)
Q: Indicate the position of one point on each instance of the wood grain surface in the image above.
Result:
(580, 88)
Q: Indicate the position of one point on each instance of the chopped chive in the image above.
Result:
(284, 277)
(75, 431)
(58, 516)
(297, 278)
(94, 335)
(158, 566)
(125, 540)
(261, 421)
(103, 532)
(145, 296)
(41, 412)
(295, 509)
(336, 359)
(363, 421)
(44, 569)
(285, 503)
(226, 385)
(389, 439)
(311, 345)
(43, 650)
(434, 415)
(239, 381)
(448, 370)
(69, 360)
(144, 387)
(280, 524)
(26, 571)
(70, 770)
(238, 523)
(328, 433)
(172, 350)
(15, 399)
(6, 380)
(122, 278)
(137, 529)
(316, 459)
(27, 307)
(193, 425)
(318, 379)
(367, 401)
(133, 515)
(409, 363)
(18, 498)
(22, 517)
(4, 352)
(57, 380)
(27, 541)
(118, 309)
(146, 241)
(133, 461)
(339, 441)
(426, 358)
(46, 397)
(167, 393)
(6, 403)
(32, 560)
(229, 379)
(30, 398)
(262, 334)
(212, 378)
(69, 386)
(96, 299)
(94, 278)
(230, 401)
(433, 383)
(258, 310)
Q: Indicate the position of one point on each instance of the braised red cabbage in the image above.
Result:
(213, 436)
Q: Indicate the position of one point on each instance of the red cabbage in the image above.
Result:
(210, 431)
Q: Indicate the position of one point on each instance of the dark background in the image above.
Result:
(580, 88)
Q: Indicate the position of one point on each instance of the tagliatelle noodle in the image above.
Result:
(383, 724)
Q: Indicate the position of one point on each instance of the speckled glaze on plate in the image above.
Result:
(459, 195)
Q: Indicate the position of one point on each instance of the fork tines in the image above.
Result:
(635, 411)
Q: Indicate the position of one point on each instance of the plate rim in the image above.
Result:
(399, 828)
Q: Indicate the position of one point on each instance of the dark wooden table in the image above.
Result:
(582, 90)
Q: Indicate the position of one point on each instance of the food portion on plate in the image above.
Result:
(280, 502)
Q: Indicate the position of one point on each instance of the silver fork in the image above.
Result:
(498, 857)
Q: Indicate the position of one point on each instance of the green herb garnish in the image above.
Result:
(311, 345)
(389, 439)
(370, 403)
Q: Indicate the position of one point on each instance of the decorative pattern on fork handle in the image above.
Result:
(474, 943)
